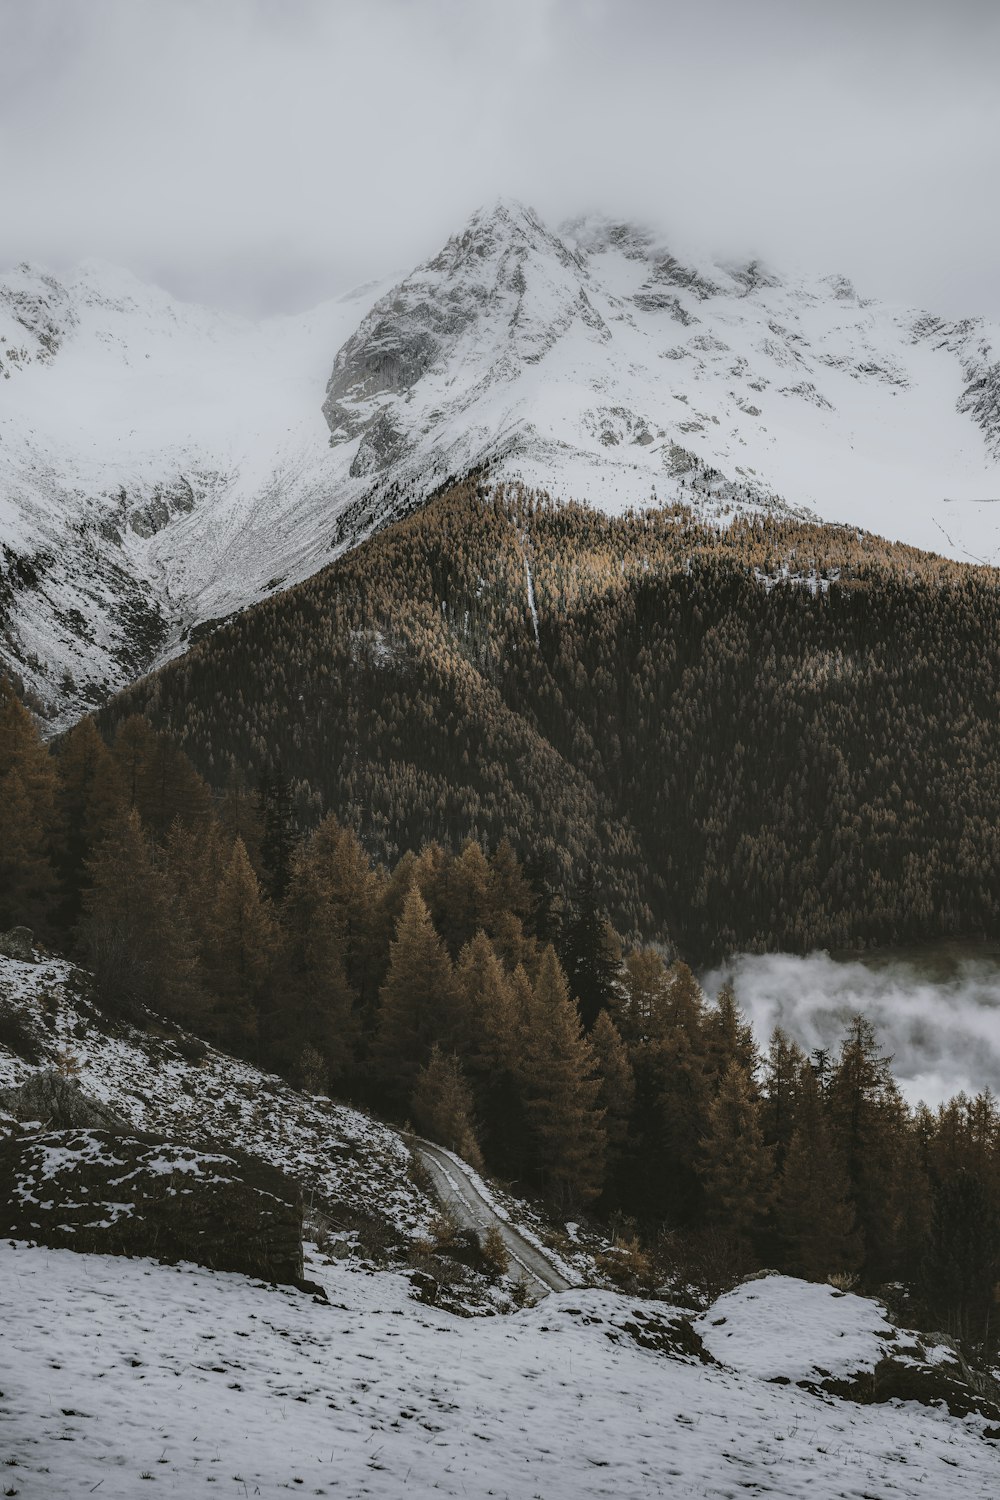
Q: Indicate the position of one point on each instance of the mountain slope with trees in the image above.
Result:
(777, 736)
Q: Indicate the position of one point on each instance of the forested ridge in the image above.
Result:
(460, 991)
(780, 735)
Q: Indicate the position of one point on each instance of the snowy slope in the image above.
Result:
(162, 465)
(354, 1170)
(599, 365)
(201, 1383)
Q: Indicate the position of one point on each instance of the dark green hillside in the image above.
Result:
(747, 763)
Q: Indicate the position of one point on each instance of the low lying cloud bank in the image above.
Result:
(941, 1025)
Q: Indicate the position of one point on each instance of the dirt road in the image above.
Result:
(456, 1187)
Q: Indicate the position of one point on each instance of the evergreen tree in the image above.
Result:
(961, 1264)
(644, 989)
(196, 859)
(782, 1081)
(132, 934)
(561, 1089)
(736, 1167)
(91, 796)
(274, 798)
(28, 817)
(494, 1008)
(617, 1091)
(590, 953)
(869, 1126)
(442, 1106)
(729, 1038)
(169, 789)
(27, 879)
(354, 890)
(547, 906)
(815, 1216)
(416, 1003)
(244, 939)
(510, 892)
(311, 1002)
(676, 1082)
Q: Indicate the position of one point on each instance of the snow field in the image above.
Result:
(118, 1374)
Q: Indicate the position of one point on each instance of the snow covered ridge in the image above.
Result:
(116, 1372)
(162, 465)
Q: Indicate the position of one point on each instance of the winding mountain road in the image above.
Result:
(455, 1185)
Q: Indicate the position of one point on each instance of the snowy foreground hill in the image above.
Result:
(203, 1384)
(117, 1373)
(162, 465)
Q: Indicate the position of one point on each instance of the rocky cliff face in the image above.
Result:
(162, 465)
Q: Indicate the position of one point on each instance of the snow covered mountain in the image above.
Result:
(162, 465)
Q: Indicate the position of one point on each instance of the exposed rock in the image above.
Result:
(18, 943)
(931, 1371)
(99, 1192)
(58, 1102)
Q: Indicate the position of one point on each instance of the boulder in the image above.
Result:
(58, 1102)
(98, 1191)
(18, 943)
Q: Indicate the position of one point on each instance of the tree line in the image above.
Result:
(462, 991)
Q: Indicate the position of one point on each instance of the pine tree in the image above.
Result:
(871, 1126)
(244, 939)
(961, 1263)
(196, 859)
(644, 988)
(676, 1090)
(28, 817)
(729, 1038)
(561, 1088)
(27, 880)
(354, 890)
(416, 1003)
(735, 1166)
(617, 1092)
(311, 1002)
(815, 1215)
(274, 797)
(169, 789)
(782, 1079)
(591, 954)
(91, 796)
(133, 749)
(442, 1106)
(493, 1007)
(510, 892)
(132, 932)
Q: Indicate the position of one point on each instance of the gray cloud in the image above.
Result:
(940, 1026)
(265, 153)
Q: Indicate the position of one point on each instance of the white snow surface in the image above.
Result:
(119, 1373)
(156, 455)
(778, 1325)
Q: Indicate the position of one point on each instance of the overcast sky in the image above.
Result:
(264, 154)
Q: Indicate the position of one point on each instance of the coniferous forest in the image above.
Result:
(780, 736)
(442, 828)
